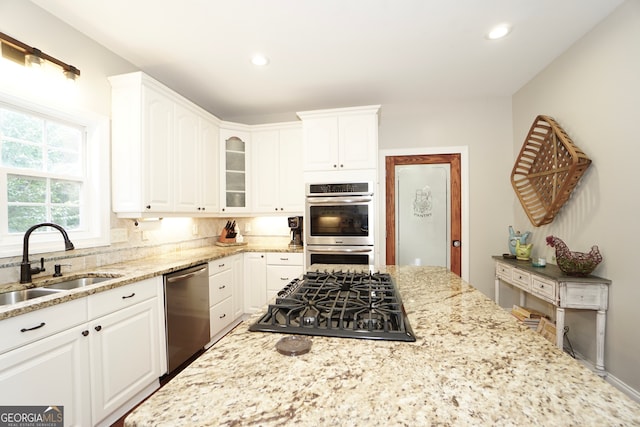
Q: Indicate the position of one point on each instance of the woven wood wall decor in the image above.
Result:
(547, 170)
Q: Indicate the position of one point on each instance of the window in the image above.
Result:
(52, 169)
(44, 159)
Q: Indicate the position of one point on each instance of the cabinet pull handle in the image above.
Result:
(223, 316)
(129, 296)
(220, 265)
(85, 333)
(98, 328)
(148, 206)
(222, 287)
(284, 259)
(284, 278)
(32, 329)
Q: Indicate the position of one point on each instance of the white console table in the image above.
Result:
(552, 285)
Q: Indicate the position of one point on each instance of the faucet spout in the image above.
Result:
(25, 267)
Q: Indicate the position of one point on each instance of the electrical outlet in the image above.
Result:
(119, 235)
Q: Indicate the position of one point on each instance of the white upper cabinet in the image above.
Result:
(170, 157)
(320, 136)
(340, 139)
(277, 173)
(197, 164)
(210, 163)
(142, 129)
(234, 177)
(187, 155)
(161, 151)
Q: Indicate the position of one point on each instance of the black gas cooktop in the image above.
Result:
(339, 304)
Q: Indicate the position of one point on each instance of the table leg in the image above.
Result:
(601, 319)
(560, 327)
(497, 291)
(523, 298)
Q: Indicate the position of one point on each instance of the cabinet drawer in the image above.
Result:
(504, 271)
(521, 279)
(220, 315)
(584, 296)
(545, 289)
(220, 286)
(125, 296)
(20, 330)
(279, 275)
(284, 258)
(218, 265)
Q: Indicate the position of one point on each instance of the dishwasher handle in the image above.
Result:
(188, 275)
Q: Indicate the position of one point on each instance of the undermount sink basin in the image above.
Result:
(78, 282)
(25, 294)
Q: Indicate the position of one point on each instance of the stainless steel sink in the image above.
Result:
(78, 282)
(25, 294)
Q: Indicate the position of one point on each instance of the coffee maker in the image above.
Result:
(295, 224)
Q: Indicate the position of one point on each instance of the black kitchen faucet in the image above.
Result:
(25, 267)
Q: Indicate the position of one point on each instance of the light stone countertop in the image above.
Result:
(473, 364)
(124, 273)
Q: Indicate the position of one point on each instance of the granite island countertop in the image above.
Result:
(126, 272)
(472, 364)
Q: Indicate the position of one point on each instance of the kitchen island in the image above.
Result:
(472, 364)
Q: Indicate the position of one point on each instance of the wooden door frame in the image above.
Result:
(387, 236)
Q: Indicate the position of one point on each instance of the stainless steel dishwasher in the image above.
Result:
(187, 313)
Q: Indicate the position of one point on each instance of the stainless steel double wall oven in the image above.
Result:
(339, 223)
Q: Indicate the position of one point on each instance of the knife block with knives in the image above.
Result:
(228, 234)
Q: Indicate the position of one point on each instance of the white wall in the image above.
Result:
(484, 126)
(593, 91)
(28, 23)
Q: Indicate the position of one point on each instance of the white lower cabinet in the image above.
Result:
(97, 369)
(225, 292)
(124, 356)
(220, 295)
(265, 274)
(282, 268)
(238, 290)
(48, 372)
(255, 281)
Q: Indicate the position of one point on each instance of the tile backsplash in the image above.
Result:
(144, 239)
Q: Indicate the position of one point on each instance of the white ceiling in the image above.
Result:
(332, 53)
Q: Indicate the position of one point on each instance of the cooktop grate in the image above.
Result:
(339, 304)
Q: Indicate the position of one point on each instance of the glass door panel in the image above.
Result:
(423, 205)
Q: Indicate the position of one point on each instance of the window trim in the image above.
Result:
(97, 230)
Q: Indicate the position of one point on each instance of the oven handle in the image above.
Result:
(339, 199)
(330, 249)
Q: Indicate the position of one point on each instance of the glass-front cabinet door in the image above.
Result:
(234, 177)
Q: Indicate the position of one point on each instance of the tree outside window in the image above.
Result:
(43, 160)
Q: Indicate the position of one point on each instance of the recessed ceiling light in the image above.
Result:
(499, 31)
(259, 60)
